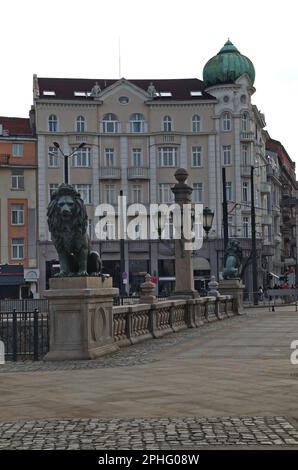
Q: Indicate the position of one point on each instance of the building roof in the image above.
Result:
(227, 66)
(14, 126)
(174, 89)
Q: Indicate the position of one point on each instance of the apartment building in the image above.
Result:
(136, 134)
(18, 215)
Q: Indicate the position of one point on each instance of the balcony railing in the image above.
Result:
(265, 187)
(110, 173)
(138, 172)
(247, 136)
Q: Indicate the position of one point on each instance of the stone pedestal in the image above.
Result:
(235, 288)
(81, 318)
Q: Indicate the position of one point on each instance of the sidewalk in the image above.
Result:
(237, 369)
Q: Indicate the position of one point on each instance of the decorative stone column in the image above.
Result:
(81, 318)
(147, 291)
(235, 288)
(183, 259)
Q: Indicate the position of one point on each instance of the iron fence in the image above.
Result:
(24, 334)
(24, 305)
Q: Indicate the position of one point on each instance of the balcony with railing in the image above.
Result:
(247, 136)
(138, 172)
(109, 173)
(265, 187)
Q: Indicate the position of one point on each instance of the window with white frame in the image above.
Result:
(229, 191)
(85, 191)
(165, 193)
(245, 154)
(17, 179)
(226, 150)
(53, 123)
(245, 191)
(52, 189)
(137, 122)
(231, 227)
(18, 248)
(110, 123)
(136, 193)
(244, 122)
(110, 193)
(53, 157)
(17, 214)
(196, 123)
(226, 122)
(136, 157)
(196, 153)
(167, 124)
(167, 156)
(17, 150)
(80, 124)
(197, 194)
(246, 227)
(109, 157)
(82, 157)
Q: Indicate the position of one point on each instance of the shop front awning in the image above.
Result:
(200, 264)
(11, 275)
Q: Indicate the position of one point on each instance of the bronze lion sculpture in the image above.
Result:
(67, 221)
(233, 263)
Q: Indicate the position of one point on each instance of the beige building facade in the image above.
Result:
(137, 133)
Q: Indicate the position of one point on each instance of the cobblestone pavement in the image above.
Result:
(142, 353)
(140, 433)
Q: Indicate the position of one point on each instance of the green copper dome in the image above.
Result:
(227, 66)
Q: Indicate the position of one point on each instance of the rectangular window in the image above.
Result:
(229, 190)
(82, 158)
(246, 227)
(167, 156)
(136, 193)
(226, 149)
(110, 193)
(17, 214)
(110, 126)
(17, 150)
(165, 193)
(17, 179)
(197, 192)
(245, 155)
(52, 188)
(109, 157)
(231, 228)
(17, 248)
(245, 191)
(53, 157)
(136, 157)
(196, 156)
(85, 192)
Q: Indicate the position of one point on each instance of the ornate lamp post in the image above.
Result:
(66, 157)
(208, 216)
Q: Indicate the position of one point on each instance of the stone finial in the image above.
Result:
(147, 291)
(212, 287)
(181, 175)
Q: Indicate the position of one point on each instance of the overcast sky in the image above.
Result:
(159, 39)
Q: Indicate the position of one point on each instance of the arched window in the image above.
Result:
(167, 124)
(53, 123)
(244, 120)
(80, 124)
(196, 123)
(110, 123)
(226, 122)
(137, 122)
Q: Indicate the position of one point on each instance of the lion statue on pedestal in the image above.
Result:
(233, 260)
(67, 221)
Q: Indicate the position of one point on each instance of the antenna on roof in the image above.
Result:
(119, 54)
